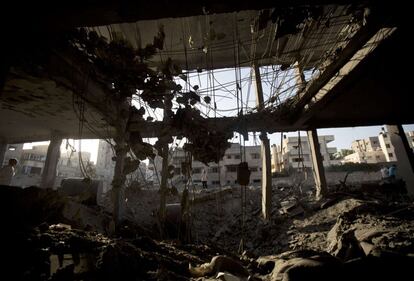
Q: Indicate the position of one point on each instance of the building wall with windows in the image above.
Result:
(366, 145)
(32, 162)
(12, 151)
(223, 173)
(387, 147)
(370, 157)
(375, 149)
(295, 153)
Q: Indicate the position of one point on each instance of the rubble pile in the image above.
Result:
(350, 235)
(57, 252)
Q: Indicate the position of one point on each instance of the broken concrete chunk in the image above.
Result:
(219, 264)
(229, 277)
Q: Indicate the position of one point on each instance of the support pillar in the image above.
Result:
(121, 150)
(3, 148)
(163, 187)
(317, 164)
(404, 155)
(118, 181)
(265, 153)
(52, 158)
(266, 177)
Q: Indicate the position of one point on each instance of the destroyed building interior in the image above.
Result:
(144, 76)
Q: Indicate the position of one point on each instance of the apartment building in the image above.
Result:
(295, 153)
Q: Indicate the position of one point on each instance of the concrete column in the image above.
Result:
(118, 181)
(266, 177)
(52, 158)
(317, 164)
(404, 155)
(3, 148)
(163, 188)
(265, 153)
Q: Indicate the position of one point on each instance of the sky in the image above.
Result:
(220, 86)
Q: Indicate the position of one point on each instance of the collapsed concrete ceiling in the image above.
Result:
(238, 39)
(35, 107)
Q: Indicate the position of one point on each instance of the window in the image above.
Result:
(297, 159)
(255, 156)
(377, 156)
(214, 170)
(196, 170)
(215, 182)
(231, 168)
(390, 155)
(228, 156)
(257, 180)
(236, 156)
(387, 145)
(253, 169)
(35, 171)
(177, 171)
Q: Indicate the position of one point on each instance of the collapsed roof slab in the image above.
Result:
(33, 107)
(22, 126)
(376, 92)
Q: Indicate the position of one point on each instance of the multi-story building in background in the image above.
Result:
(31, 162)
(387, 147)
(366, 150)
(222, 173)
(375, 149)
(12, 151)
(295, 153)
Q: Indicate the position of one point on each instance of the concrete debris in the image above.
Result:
(220, 264)
(371, 228)
(229, 277)
(301, 265)
(349, 236)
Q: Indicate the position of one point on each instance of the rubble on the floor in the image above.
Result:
(352, 235)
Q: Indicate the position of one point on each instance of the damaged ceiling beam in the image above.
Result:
(309, 93)
(256, 122)
(74, 73)
(338, 82)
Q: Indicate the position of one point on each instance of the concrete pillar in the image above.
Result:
(119, 178)
(266, 177)
(317, 164)
(163, 188)
(52, 158)
(265, 153)
(404, 155)
(3, 148)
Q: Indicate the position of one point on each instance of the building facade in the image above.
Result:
(31, 163)
(295, 153)
(368, 150)
(375, 149)
(218, 174)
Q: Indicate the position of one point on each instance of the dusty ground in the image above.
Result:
(350, 234)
